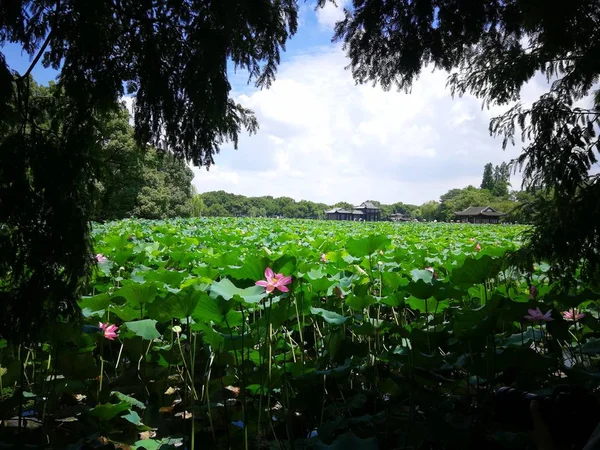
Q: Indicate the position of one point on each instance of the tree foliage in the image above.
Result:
(492, 49)
(46, 189)
(223, 204)
(487, 182)
(501, 180)
(120, 168)
(496, 179)
(166, 187)
(517, 205)
(173, 56)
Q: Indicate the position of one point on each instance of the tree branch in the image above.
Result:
(43, 47)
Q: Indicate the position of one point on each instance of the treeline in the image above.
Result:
(223, 204)
(494, 192)
(514, 204)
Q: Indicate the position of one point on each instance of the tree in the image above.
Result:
(501, 180)
(133, 182)
(174, 57)
(492, 49)
(166, 187)
(197, 206)
(429, 211)
(460, 199)
(217, 210)
(344, 205)
(488, 177)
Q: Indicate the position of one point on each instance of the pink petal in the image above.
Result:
(262, 283)
(268, 274)
(534, 312)
(270, 288)
(102, 326)
(285, 280)
(283, 289)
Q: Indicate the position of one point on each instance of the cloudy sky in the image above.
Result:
(325, 139)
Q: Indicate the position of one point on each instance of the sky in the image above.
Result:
(325, 139)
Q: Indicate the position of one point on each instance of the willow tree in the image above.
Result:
(175, 58)
(491, 48)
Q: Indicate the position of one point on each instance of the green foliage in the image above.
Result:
(496, 179)
(174, 58)
(197, 206)
(518, 207)
(399, 321)
(501, 180)
(488, 177)
(46, 197)
(429, 211)
(223, 204)
(166, 187)
(139, 182)
(121, 163)
(459, 200)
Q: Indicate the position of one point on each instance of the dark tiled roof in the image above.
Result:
(480, 211)
(338, 210)
(357, 212)
(366, 205)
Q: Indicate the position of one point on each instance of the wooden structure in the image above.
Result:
(479, 214)
(365, 212)
(399, 217)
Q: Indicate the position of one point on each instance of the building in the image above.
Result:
(365, 212)
(479, 214)
(338, 214)
(399, 217)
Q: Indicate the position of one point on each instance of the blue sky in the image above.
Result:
(323, 138)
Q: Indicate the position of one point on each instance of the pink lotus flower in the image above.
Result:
(573, 315)
(535, 315)
(101, 258)
(478, 247)
(110, 331)
(274, 281)
(323, 257)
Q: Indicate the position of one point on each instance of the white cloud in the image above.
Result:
(331, 13)
(323, 138)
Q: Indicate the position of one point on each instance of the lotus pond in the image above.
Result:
(257, 333)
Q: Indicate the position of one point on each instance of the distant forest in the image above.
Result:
(494, 191)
